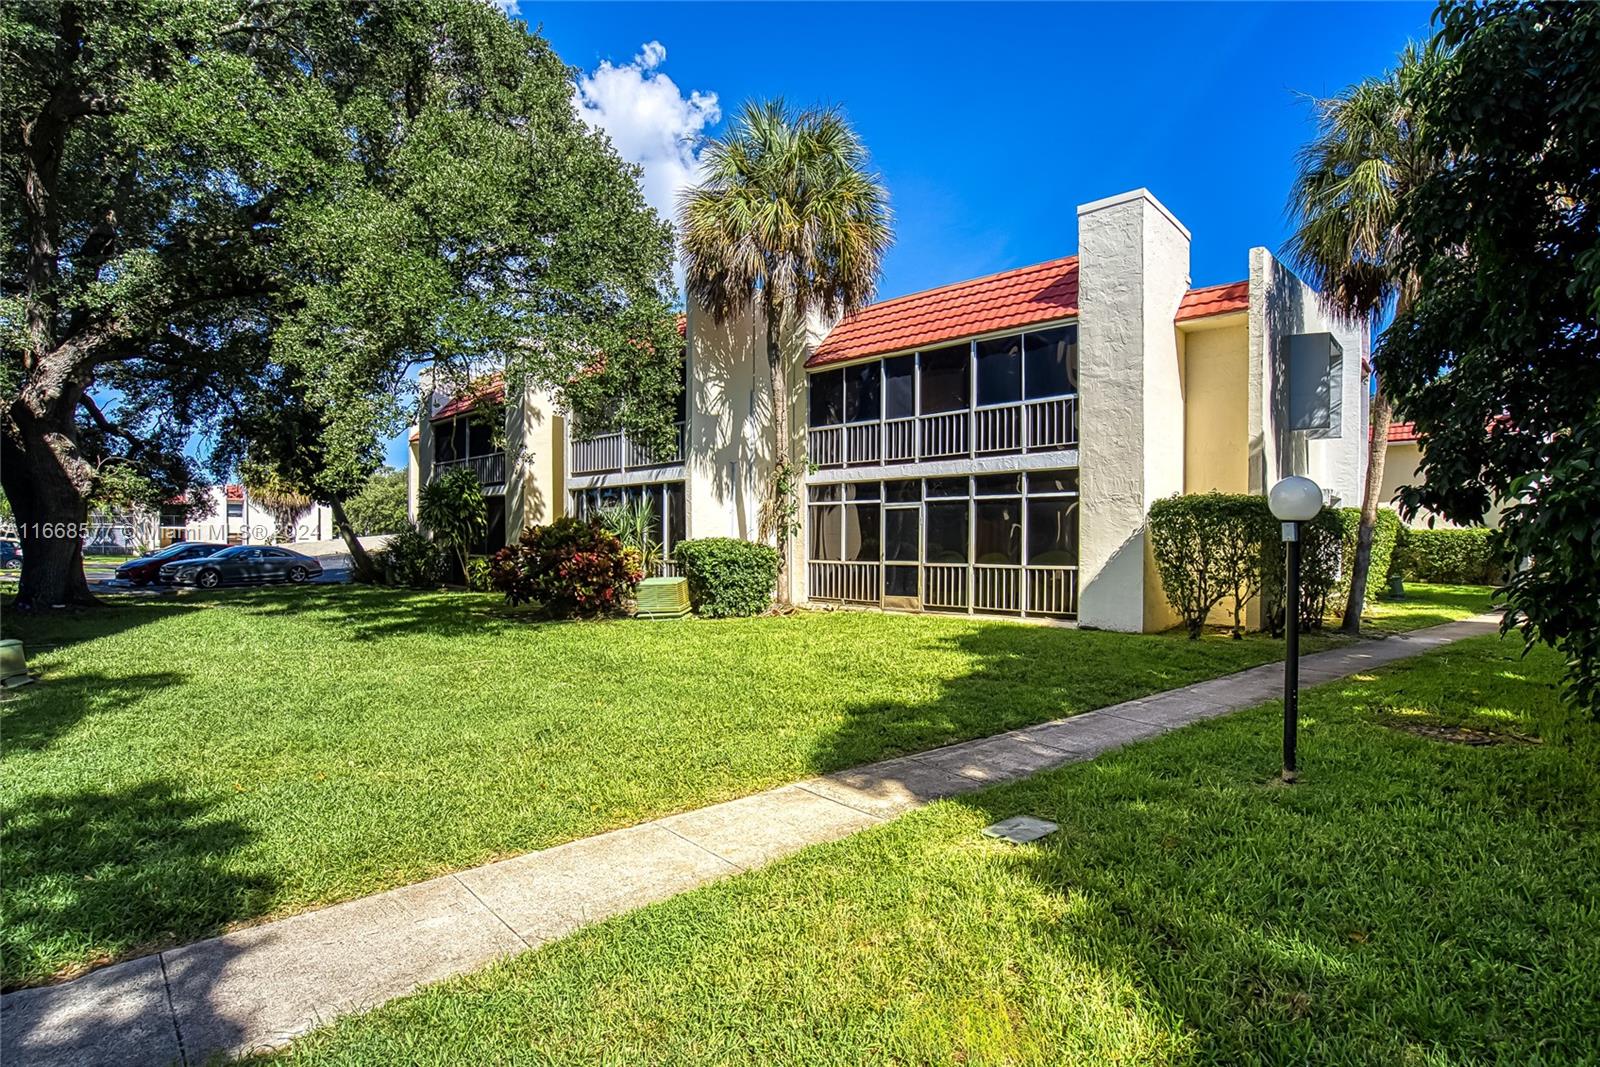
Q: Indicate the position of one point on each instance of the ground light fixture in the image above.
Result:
(1293, 500)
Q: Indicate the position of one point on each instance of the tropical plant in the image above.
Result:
(198, 193)
(1370, 151)
(279, 498)
(453, 510)
(570, 566)
(787, 218)
(411, 558)
(632, 520)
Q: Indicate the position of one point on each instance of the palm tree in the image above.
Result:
(1370, 151)
(789, 217)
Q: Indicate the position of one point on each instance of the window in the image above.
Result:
(861, 532)
(675, 515)
(900, 387)
(1053, 532)
(826, 541)
(236, 509)
(997, 531)
(1000, 370)
(997, 485)
(944, 379)
(861, 393)
(827, 398)
(480, 435)
(903, 492)
(900, 541)
(1052, 482)
(947, 532)
(947, 487)
(1051, 359)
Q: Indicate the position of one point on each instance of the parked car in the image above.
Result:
(10, 554)
(147, 569)
(241, 565)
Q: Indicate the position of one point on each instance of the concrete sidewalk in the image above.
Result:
(260, 987)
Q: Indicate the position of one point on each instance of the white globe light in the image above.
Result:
(1295, 499)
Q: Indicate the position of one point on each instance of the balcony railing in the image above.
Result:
(1002, 589)
(612, 452)
(1030, 426)
(490, 469)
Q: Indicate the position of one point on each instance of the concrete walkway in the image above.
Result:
(260, 987)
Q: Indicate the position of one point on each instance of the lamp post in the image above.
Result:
(1293, 500)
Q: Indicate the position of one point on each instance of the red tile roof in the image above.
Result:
(1402, 432)
(1041, 293)
(492, 391)
(235, 492)
(1213, 300)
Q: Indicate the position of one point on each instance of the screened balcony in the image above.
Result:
(611, 453)
(995, 544)
(471, 440)
(1002, 395)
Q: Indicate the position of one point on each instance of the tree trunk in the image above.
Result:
(46, 481)
(1377, 451)
(360, 561)
(782, 490)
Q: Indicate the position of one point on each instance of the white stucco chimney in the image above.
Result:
(1133, 269)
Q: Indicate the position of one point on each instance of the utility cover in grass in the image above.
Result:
(1020, 829)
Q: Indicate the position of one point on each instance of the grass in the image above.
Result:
(192, 762)
(1410, 902)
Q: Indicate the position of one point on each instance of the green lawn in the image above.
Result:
(1412, 901)
(196, 761)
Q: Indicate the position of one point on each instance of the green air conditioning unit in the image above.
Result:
(13, 665)
(663, 598)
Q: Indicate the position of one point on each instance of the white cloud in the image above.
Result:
(650, 121)
(505, 7)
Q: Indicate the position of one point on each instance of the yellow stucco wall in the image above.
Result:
(1216, 378)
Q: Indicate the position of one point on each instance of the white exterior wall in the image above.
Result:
(1281, 304)
(728, 447)
(1133, 270)
(255, 525)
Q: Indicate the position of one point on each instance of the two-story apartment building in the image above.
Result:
(990, 446)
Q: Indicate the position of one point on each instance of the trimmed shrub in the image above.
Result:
(728, 577)
(478, 574)
(1210, 547)
(1384, 534)
(409, 558)
(571, 567)
(1465, 556)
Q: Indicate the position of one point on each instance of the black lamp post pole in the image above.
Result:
(1291, 661)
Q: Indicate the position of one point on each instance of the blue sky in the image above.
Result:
(990, 123)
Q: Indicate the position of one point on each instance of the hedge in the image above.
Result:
(1465, 556)
(1214, 547)
(728, 577)
(1384, 536)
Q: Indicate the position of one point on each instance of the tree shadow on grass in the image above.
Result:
(371, 613)
(1408, 894)
(102, 874)
(1022, 675)
(61, 629)
(33, 718)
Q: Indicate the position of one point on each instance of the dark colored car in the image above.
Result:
(10, 554)
(243, 564)
(147, 569)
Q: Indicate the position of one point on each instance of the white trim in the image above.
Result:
(948, 468)
(622, 479)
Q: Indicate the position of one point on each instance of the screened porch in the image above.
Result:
(988, 543)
